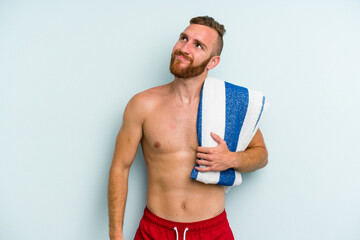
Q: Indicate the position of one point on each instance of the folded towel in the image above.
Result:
(233, 113)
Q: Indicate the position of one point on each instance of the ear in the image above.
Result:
(213, 62)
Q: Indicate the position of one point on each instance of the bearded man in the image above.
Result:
(163, 120)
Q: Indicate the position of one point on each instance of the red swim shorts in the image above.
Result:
(153, 227)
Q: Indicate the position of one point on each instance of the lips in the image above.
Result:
(182, 56)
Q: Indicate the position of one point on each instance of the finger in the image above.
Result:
(216, 137)
(205, 169)
(203, 156)
(204, 149)
(202, 162)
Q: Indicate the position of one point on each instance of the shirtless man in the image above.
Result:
(163, 120)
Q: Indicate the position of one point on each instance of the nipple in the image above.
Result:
(157, 144)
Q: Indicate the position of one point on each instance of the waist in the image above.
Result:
(191, 202)
(203, 225)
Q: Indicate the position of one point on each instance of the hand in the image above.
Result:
(217, 158)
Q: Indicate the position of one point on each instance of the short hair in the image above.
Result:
(210, 22)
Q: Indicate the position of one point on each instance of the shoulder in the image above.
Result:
(144, 102)
(149, 98)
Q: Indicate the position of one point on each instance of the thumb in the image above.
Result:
(216, 137)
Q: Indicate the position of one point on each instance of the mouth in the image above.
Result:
(179, 56)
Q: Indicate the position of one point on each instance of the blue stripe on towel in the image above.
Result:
(199, 119)
(262, 108)
(237, 101)
(194, 172)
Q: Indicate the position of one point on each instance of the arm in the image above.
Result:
(126, 145)
(254, 157)
(219, 158)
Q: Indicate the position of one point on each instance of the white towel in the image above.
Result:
(233, 113)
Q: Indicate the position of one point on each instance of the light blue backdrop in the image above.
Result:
(68, 68)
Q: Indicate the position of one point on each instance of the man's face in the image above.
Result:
(193, 51)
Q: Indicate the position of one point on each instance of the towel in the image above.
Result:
(232, 112)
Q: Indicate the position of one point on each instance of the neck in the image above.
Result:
(188, 90)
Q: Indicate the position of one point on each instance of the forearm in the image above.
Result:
(251, 159)
(117, 193)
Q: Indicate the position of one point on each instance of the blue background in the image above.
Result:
(68, 68)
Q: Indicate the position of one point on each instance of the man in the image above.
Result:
(163, 120)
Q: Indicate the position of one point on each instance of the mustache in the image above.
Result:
(179, 52)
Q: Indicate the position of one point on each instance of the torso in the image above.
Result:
(169, 145)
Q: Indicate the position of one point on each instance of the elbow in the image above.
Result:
(266, 159)
(265, 162)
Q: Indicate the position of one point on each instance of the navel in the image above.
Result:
(157, 144)
(183, 205)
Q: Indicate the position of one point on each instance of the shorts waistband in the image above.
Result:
(217, 221)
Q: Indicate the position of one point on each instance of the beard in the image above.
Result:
(190, 70)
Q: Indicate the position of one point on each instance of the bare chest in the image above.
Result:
(170, 128)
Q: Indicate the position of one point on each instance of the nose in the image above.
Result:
(185, 48)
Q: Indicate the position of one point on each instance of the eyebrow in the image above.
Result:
(195, 40)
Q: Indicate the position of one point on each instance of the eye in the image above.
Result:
(198, 45)
(183, 38)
